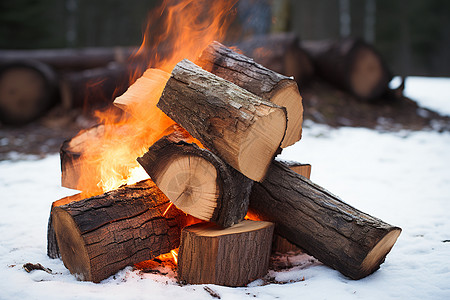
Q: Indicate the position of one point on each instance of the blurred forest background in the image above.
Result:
(412, 35)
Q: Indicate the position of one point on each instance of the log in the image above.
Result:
(70, 59)
(239, 127)
(94, 87)
(101, 235)
(267, 84)
(232, 257)
(197, 181)
(337, 234)
(352, 65)
(280, 244)
(28, 89)
(143, 93)
(282, 53)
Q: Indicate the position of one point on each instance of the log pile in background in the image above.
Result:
(211, 184)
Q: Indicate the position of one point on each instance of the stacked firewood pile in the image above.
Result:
(218, 169)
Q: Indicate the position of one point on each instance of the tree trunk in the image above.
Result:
(27, 90)
(337, 234)
(232, 257)
(280, 52)
(197, 181)
(352, 65)
(265, 83)
(94, 87)
(236, 125)
(101, 235)
(73, 59)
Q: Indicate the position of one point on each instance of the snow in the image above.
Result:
(401, 178)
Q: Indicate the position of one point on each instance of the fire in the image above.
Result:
(176, 30)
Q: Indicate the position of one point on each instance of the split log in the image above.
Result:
(74, 59)
(144, 92)
(101, 235)
(197, 181)
(232, 257)
(94, 87)
(340, 236)
(236, 125)
(267, 84)
(352, 65)
(280, 52)
(299, 168)
(27, 90)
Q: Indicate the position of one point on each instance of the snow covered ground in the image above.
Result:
(402, 178)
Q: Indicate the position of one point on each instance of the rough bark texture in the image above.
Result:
(280, 52)
(101, 235)
(269, 85)
(337, 234)
(236, 125)
(226, 206)
(350, 64)
(232, 257)
(27, 90)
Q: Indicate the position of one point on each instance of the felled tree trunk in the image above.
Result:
(280, 52)
(101, 235)
(337, 234)
(196, 180)
(236, 125)
(263, 82)
(64, 59)
(350, 64)
(233, 257)
(27, 90)
(94, 87)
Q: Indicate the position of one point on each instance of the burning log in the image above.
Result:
(351, 64)
(101, 235)
(27, 90)
(280, 52)
(236, 125)
(197, 181)
(340, 236)
(232, 257)
(267, 84)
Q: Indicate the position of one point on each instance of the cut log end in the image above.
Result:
(71, 245)
(377, 255)
(232, 257)
(289, 97)
(261, 144)
(190, 182)
(367, 73)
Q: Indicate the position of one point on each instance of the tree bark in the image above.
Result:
(94, 87)
(234, 124)
(337, 234)
(197, 181)
(350, 64)
(70, 59)
(267, 84)
(232, 257)
(101, 235)
(280, 52)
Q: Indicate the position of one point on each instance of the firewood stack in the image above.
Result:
(219, 167)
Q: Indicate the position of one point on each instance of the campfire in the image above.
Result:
(189, 163)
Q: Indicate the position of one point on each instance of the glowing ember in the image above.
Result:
(183, 27)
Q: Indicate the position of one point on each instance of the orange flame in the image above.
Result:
(176, 30)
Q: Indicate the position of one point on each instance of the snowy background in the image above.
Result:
(402, 178)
